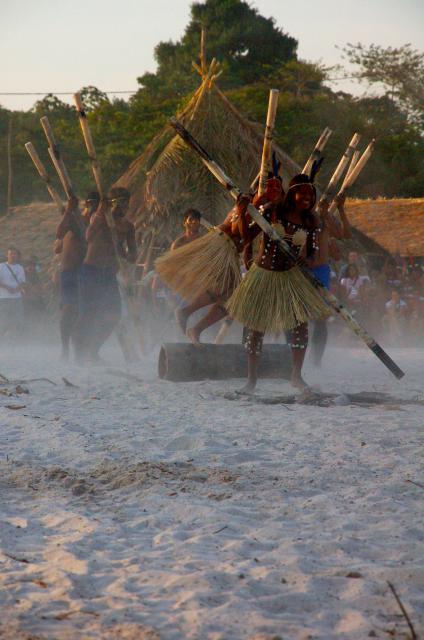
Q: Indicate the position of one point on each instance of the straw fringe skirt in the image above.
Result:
(210, 263)
(271, 301)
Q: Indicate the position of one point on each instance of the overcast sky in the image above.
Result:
(63, 45)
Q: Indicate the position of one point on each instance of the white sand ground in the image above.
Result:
(147, 510)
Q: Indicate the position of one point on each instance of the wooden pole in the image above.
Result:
(254, 183)
(203, 50)
(9, 168)
(353, 162)
(317, 152)
(44, 176)
(269, 132)
(343, 163)
(89, 143)
(205, 83)
(124, 266)
(59, 171)
(205, 223)
(354, 173)
(328, 297)
(56, 157)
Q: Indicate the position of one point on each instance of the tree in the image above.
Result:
(92, 97)
(249, 46)
(400, 71)
(51, 104)
(300, 78)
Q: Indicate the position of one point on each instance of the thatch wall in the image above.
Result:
(397, 225)
(31, 229)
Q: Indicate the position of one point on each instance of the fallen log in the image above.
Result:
(183, 362)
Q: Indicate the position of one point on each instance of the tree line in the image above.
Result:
(255, 55)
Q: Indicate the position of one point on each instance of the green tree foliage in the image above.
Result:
(255, 55)
(248, 46)
(398, 70)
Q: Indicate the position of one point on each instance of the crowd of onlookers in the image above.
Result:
(21, 294)
(386, 296)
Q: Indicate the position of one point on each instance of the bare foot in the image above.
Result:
(298, 382)
(193, 335)
(181, 317)
(248, 388)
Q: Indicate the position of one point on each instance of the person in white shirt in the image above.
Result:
(12, 281)
(353, 283)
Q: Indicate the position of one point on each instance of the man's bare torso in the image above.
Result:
(101, 251)
(73, 251)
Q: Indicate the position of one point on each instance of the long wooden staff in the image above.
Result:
(89, 143)
(328, 297)
(353, 163)
(86, 132)
(269, 133)
(354, 173)
(254, 184)
(124, 266)
(57, 159)
(317, 152)
(205, 223)
(330, 190)
(44, 176)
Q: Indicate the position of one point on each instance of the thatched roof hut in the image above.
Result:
(32, 229)
(168, 178)
(397, 225)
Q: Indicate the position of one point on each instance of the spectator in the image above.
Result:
(12, 281)
(354, 258)
(353, 286)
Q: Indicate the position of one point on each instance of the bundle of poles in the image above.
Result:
(59, 165)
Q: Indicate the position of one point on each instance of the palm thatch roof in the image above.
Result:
(168, 178)
(397, 224)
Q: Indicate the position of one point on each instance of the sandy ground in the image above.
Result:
(143, 509)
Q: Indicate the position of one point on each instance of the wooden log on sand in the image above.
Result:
(184, 362)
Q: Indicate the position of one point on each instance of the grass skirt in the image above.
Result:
(210, 263)
(271, 301)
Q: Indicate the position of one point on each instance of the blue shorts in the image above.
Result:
(323, 274)
(69, 287)
(99, 291)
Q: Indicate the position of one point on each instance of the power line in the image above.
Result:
(57, 93)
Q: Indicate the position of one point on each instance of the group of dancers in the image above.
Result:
(235, 269)
(273, 296)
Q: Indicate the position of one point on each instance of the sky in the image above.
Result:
(63, 45)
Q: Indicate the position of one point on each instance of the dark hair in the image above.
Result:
(192, 213)
(119, 192)
(308, 219)
(351, 266)
(12, 247)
